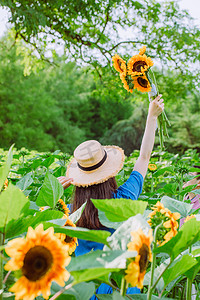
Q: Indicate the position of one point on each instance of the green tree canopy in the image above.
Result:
(92, 31)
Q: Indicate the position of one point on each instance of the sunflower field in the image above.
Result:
(155, 245)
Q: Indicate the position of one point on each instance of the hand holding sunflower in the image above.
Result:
(134, 74)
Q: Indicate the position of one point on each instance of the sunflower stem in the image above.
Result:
(153, 264)
(189, 283)
(181, 188)
(160, 132)
(56, 295)
(123, 287)
(152, 183)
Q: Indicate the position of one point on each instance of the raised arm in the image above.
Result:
(155, 109)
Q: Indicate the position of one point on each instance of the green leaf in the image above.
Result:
(163, 170)
(80, 291)
(101, 259)
(191, 273)
(21, 225)
(25, 181)
(99, 236)
(191, 233)
(122, 236)
(4, 170)
(90, 274)
(104, 221)
(179, 267)
(50, 192)
(12, 200)
(74, 217)
(117, 296)
(118, 210)
(177, 206)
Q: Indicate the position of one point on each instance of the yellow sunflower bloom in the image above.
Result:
(142, 84)
(119, 64)
(137, 268)
(60, 205)
(174, 216)
(72, 242)
(168, 236)
(171, 223)
(126, 86)
(41, 258)
(152, 167)
(189, 218)
(138, 65)
(142, 50)
(158, 206)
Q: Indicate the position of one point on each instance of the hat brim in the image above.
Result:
(113, 164)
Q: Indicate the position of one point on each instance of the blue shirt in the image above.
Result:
(131, 189)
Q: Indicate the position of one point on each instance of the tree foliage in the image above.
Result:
(92, 31)
(53, 108)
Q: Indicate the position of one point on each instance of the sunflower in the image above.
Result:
(124, 81)
(72, 242)
(142, 50)
(139, 64)
(119, 64)
(152, 167)
(142, 84)
(60, 205)
(137, 268)
(41, 258)
(158, 206)
(159, 215)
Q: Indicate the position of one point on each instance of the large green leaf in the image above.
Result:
(177, 206)
(50, 192)
(99, 236)
(91, 274)
(4, 170)
(122, 236)
(118, 210)
(80, 291)
(101, 259)
(187, 236)
(191, 273)
(21, 225)
(107, 223)
(179, 267)
(12, 202)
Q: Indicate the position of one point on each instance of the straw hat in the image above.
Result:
(94, 163)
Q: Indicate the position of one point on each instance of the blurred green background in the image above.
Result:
(58, 87)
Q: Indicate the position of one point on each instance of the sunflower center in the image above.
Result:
(68, 239)
(38, 260)
(144, 257)
(143, 82)
(138, 65)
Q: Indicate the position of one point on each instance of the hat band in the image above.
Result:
(94, 167)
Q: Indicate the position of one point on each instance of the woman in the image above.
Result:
(93, 171)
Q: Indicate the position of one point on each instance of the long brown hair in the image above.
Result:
(89, 218)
